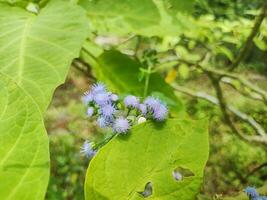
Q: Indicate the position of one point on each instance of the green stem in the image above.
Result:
(148, 73)
(105, 141)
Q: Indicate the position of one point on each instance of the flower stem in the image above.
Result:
(105, 141)
(147, 79)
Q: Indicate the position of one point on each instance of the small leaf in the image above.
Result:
(260, 44)
(183, 70)
(171, 76)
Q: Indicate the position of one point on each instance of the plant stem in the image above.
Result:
(147, 79)
(105, 141)
(245, 49)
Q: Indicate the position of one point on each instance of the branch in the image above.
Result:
(256, 169)
(231, 75)
(245, 49)
(253, 95)
(83, 67)
(261, 137)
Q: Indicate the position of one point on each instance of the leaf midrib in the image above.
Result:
(22, 49)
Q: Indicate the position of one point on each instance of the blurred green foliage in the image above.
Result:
(220, 28)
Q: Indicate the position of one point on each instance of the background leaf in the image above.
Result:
(150, 153)
(121, 74)
(154, 17)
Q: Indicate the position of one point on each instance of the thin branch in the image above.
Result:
(231, 75)
(261, 137)
(83, 67)
(256, 169)
(251, 95)
(247, 46)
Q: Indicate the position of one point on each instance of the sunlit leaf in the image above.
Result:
(146, 17)
(150, 153)
(35, 54)
(24, 149)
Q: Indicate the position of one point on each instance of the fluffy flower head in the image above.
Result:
(251, 192)
(104, 122)
(87, 149)
(102, 98)
(143, 109)
(131, 101)
(98, 88)
(152, 103)
(121, 125)
(107, 110)
(87, 98)
(160, 113)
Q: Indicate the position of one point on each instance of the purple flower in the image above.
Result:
(102, 99)
(90, 111)
(143, 109)
(107, 110)
(251, 192)
(87, 98)
(152, 103)
(87, 149)
(121, 125)
(131, 101)
(104, 122)
(98, 88)
(160, 112)
(158, 109)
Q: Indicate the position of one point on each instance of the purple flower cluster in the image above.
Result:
(253, 194)
(120, 115)
(104, 105)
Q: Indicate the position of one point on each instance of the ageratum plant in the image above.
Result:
(253, 194)
(119, 114)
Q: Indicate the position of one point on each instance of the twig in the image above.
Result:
(83, 67)
(254, 96)
(261, 137)
(256, 169)
(231, 75)
(245, 49)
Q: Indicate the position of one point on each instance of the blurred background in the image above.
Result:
(218, 70)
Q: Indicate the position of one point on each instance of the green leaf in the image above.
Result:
(150, 152)
(121, 73)
(145, 17)
(260, 44)
(24, 148)
(36, 51)
(184, 71)
(35, 54)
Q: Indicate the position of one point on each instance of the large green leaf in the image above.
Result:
(145, 17)
(24, 149)
(121, 73)
(36, 51)
(150, 153)
(35, 54)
